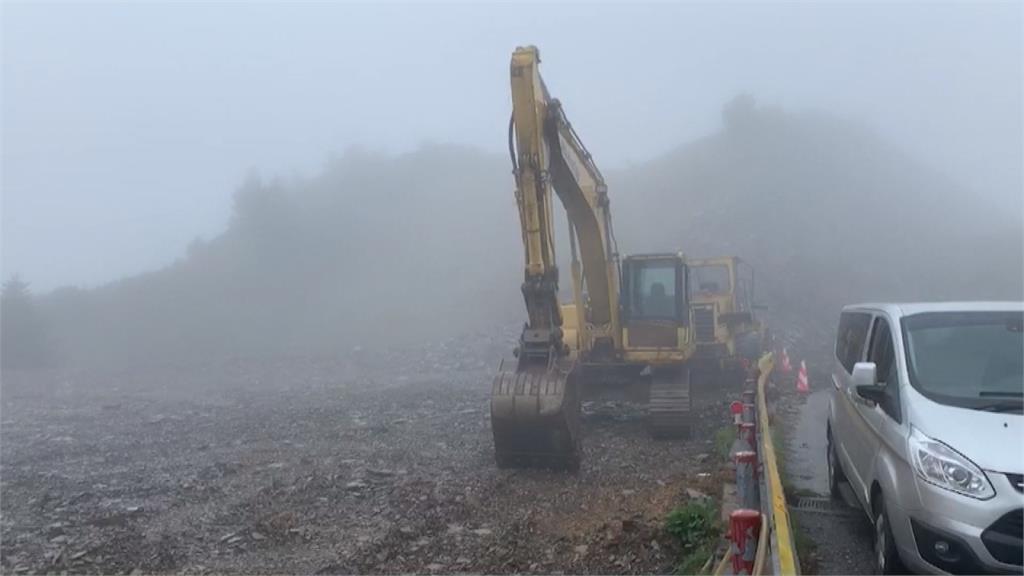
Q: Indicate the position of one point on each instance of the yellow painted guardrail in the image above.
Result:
(777, 512)
(723, 565)
(762, 547)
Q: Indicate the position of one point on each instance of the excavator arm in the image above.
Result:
(542, 336)
(549, 156)
(535, 408)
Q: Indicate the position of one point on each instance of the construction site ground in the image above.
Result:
(367, 462)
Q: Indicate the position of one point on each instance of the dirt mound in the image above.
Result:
(827, 213)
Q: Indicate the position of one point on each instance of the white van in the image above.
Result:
(925, 423)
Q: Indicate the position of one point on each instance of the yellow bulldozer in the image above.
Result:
(727, 333)
(628, 328)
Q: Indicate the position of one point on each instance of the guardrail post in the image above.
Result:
(749, 405)
(747, 488)
(736, 409)
(748, 433)
(750, 395)
(744, 528)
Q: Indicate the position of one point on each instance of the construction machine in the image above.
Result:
(728, 335)
(627, 330)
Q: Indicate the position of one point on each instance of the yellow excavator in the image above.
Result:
(627, 331)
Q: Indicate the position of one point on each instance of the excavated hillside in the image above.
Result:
(828, 214)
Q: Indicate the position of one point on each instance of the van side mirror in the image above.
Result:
(865, 374)
(865, 382)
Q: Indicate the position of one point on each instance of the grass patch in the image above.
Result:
(724, 438)
(696, 528)
(779, 443)
(693, 563)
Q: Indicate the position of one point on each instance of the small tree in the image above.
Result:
(24, 341)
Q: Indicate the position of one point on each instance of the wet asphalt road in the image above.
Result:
(805, 459)
(841, 538)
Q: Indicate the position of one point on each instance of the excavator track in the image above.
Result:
(535, 417)
(668, 408)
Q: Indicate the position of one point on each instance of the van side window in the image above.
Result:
(853, 331)
(883, 353)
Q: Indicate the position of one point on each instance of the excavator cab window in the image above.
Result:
(744, 287)
(710, 279)
(654, 289)
(656, 294)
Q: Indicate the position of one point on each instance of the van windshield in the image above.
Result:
(969, 359)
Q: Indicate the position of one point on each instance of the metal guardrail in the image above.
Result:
(762, 512)
(779, 531)
(760, 533)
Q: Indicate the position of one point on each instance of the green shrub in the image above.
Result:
(724, 438)
(694, 561)
(696, 528)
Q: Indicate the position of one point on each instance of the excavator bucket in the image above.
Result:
(535, 416)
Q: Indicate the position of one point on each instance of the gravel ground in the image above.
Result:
(371, 463)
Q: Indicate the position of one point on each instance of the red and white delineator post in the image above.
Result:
(744, 529)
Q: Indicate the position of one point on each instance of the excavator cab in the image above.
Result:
(654, 301)
(655, 335)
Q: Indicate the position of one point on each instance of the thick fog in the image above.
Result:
(126, 127)
(271, 175)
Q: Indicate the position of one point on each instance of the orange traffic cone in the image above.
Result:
(786, 366)
(801, 378)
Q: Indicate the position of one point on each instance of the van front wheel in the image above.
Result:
(887, 558)
(835, 469)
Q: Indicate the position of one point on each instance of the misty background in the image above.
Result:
(194, 181)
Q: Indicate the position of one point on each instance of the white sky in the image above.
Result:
(127, 127)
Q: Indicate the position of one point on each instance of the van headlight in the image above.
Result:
(939, 464)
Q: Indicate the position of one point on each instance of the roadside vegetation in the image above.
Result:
(27, 342)
(724, 438)
(696, 528)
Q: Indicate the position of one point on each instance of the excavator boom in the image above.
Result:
(550, 159)
(535, 407)
(533, 196)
